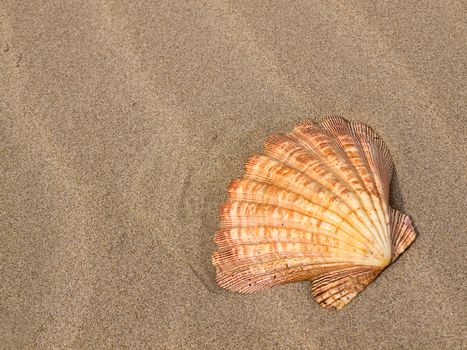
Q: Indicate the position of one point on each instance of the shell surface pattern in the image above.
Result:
(314, 207)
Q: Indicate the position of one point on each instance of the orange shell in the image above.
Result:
(314, 207)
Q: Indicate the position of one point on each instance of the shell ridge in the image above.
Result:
(231, 215)
(248, 281)
(330, 279)
(339, 128)
(255, 174)
(364, 137)
(342, 133)
(341, 187)
(244, 256)
(377, 151)
(335, 143)
(402, 233)
(344, 283)
(324, 216)
(225, 241)
(304, 138)
(287, 242)
(333, 136)
(281, 264)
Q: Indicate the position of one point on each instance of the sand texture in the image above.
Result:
(122, 123)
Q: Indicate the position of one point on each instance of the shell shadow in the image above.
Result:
(396, 199)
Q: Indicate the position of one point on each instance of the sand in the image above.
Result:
(122, 125)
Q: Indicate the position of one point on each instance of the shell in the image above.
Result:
(314, 207)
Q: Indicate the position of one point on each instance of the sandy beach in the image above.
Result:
(122, 124)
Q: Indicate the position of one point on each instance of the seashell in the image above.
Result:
(314, 207)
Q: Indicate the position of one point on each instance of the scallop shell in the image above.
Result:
(314, 207)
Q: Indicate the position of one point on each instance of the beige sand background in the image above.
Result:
(122, 125)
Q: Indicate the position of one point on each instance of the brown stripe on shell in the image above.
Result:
(245, 190)
(288, 151)
(267, 170)
(318, 140)
(352, 145)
